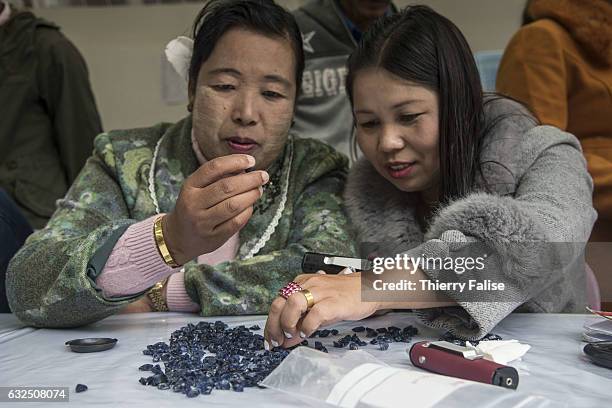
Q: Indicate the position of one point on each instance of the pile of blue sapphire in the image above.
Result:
(210, 356)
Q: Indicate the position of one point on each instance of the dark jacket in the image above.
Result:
(48, 117)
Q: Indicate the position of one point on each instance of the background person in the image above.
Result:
(48, 116)
(560, 65)
(331, 30)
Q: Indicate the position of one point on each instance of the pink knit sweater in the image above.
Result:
(135, 263)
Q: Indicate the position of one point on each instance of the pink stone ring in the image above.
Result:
(289, 289)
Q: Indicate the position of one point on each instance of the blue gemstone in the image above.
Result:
(81, 388)
(324, 333)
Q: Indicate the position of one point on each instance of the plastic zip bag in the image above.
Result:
(356, 379)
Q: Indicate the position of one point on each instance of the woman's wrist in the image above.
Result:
(169, 241)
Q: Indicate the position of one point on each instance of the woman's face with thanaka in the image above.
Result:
(244, 97)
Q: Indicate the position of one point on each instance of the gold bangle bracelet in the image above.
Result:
(161, 243)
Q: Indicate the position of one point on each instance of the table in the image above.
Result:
(555, 367)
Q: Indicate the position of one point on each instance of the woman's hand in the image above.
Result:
(215, 202)
(336, 298)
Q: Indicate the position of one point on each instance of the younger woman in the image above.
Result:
(449, 174)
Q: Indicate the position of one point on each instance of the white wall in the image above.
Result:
(123, 48)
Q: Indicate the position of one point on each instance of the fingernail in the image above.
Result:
(251, 160)
(266, 345)
(302, 335)
(288, 335)
(260, 190)
(265, 176)
(274, 343)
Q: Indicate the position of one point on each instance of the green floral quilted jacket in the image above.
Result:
(51, 280)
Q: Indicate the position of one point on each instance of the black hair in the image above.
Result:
(419, 45)
(526, 17)
(261, 16)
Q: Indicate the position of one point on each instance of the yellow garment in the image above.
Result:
(560, 65)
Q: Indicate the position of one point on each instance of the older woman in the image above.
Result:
(226, 184)
(449, 175)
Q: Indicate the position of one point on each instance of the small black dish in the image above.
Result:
(600, 353)
(91, 344)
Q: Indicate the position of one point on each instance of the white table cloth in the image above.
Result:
(555, 367)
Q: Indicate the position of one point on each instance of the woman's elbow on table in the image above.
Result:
(42, 291)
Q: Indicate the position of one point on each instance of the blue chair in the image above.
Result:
(488, 63)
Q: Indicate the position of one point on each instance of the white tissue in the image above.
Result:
(178, 52)
(500, 351)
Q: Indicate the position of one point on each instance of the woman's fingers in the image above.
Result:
(273, 333)
(294, 308)
(323, 313)
(218, 168)
(230, 208)
(347, 271)
(235, 224)
(289, 322)
(231, 186)
(289, 311)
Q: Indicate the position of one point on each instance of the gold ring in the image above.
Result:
(309, 298)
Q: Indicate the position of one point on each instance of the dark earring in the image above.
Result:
(190, 107)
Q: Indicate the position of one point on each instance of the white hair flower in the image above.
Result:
(178, 52)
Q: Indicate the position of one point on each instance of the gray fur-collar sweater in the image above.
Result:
(532, 221)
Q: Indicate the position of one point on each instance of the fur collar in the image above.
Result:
(380, 212)
(589, 22)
